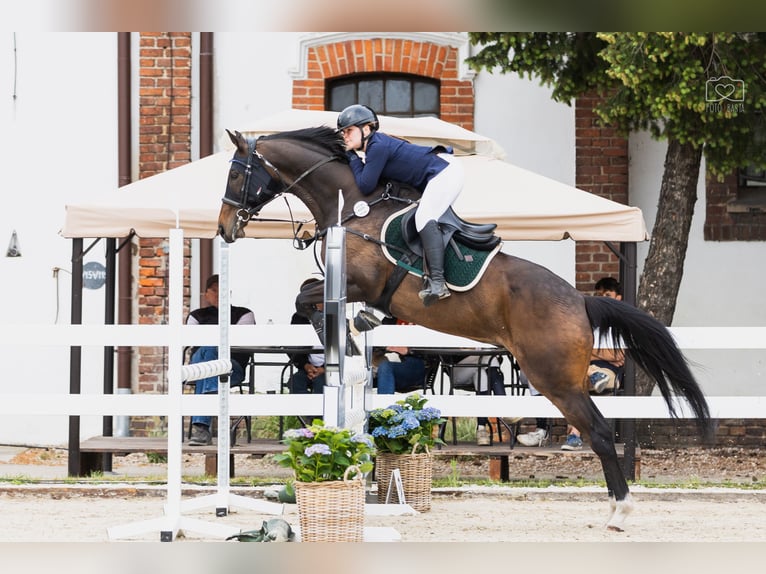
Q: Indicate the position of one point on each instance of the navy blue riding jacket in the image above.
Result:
(389, 158)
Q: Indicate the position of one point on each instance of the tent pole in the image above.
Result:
(205, 136)
(628, 281)
(109, 315)
(75, 358)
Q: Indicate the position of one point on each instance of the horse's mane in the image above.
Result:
(323, 136)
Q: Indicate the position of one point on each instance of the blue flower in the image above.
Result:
(405, 426)
(428, 414)
(397, 431)
(317, 449)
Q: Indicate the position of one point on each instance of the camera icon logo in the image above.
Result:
(724, 88)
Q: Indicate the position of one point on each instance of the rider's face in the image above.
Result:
(352, 136)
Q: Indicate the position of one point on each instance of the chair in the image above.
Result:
(511, 384)
(247, 386)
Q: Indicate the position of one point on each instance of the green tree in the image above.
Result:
(655, 82)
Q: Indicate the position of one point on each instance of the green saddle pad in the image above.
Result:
(461, 272)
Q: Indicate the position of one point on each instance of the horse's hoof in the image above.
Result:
(365, 321)
(619, 512)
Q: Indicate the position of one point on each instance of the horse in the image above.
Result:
(542, 320)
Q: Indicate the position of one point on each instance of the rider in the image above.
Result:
(436, 175)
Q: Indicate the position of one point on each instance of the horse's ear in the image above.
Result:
(238, 140)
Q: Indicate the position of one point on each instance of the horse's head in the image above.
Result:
(285, 162)
(250, 186)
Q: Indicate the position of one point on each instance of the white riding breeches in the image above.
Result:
(440, 192)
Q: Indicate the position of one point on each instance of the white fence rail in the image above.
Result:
(303, 335)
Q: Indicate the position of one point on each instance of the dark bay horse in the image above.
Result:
(541, 319)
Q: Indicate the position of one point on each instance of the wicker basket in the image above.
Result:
(416, 471)
(331, 511)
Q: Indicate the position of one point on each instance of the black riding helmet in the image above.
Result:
(358, 115)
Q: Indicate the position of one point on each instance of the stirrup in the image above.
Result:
(429, 297)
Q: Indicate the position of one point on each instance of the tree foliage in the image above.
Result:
(661, 82)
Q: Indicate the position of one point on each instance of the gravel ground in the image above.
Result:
(666, 466)
(57, 510)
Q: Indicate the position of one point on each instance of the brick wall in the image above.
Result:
(394, 55)
(164, 143)
(720, 225)
(601, 160)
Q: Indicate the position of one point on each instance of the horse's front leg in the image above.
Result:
(309, 304)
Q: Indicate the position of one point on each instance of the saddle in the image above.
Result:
(478, 236)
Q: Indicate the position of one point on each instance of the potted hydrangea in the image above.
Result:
(329, 465)
(404, 433)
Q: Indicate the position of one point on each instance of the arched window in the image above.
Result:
(399, 95)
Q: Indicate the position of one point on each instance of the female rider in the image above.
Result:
(436, 175)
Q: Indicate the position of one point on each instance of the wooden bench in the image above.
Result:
(92, 449)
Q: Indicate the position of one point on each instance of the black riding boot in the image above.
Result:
(433, 250)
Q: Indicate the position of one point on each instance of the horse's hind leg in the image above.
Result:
(581, 412)
(602, 443)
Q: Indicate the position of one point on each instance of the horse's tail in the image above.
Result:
(651, 346)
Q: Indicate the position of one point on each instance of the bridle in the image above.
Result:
(269, 187)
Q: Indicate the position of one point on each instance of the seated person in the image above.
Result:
(606, 365)
(487, 380)
(200, 433)
(401, 376)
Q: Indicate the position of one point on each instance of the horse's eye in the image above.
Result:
(233, 175)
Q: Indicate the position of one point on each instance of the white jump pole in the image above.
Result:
(223, 499)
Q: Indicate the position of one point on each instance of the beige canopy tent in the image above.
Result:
(524, 205)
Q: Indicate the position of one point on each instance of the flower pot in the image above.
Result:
(416, 471)
(331, 511)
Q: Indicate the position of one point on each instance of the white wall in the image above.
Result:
(58, 143)
(536, 134)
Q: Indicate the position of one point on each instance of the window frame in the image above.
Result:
(385, 77)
